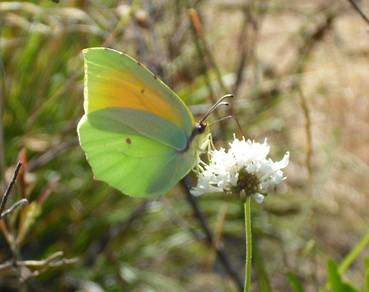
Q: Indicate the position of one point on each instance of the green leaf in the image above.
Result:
(354, 253)
(366, 279)
(335, 280)
(295, 282)
(351, 257)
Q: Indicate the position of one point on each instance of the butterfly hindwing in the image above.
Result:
(132, 163)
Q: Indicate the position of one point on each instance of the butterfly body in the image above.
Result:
(137, 134)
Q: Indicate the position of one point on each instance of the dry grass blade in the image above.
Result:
(36, 267)
(2, 99)
(359, 11)
(16, 205)
(309, 146)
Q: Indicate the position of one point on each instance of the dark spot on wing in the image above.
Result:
(155, 77)
(142, 90)
(128, 141)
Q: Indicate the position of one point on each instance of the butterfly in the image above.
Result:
(137, 134)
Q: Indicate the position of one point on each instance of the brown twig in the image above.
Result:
(51, 154)
(218, 229)
(211, 60)
(206, 57)
(247, 40)
(245, 52)
(179, 29)
(2, 102)
(196, 29)
(359, 10)
(9, 188)
(310, 42)
(16, 205)
(8, 235)
(157, 62)
(54, 260)
(309, 148)
(210, 240)
(243, 49)
(288, 80)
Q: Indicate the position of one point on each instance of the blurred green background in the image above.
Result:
(299, 72)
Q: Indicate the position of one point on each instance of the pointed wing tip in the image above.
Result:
(92, 49)
(86, 51)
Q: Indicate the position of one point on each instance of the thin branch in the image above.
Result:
(289, 79)
(309, 148)
(254, 13)
(54, 260)
(243, 48)
(206, 57)
(16, 205)
(359, 10)
(156, 61)
(197, 31)
(2, 102)
(218, 229)
(311, 40)
(51, 154)
(206, 53)
(210, 240)
(46, 261)
(179, 29)
(213, 63)
(196, 28)
(9, 188)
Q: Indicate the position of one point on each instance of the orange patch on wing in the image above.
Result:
(118, 89)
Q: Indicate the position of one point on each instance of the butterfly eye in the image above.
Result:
(201, 127)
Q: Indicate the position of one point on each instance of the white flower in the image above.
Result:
(244, 168)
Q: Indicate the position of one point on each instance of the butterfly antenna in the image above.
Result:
(215, 106)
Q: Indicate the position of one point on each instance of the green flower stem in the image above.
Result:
(247, 209)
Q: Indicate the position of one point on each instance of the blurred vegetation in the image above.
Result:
(299, 72)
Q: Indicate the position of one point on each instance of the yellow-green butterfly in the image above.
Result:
(137, 134)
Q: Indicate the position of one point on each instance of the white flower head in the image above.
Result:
(244, 168)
